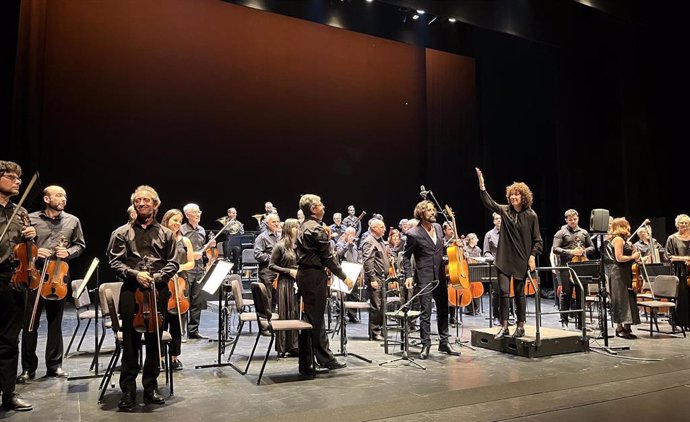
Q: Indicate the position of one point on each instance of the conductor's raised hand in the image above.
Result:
(480, 177)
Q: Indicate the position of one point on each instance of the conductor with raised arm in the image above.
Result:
(519, 244)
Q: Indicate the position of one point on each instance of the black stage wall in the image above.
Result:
(230, 106)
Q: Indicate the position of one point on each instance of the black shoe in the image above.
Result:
(448, 349)
(377, 337)
(353, 319)
(335, 364)
(504, 331)
(452, 321)
(176, 366)
(154, 397)
(57, 373)
(307, 372)
(197, 336)
(293, 353)
(25, 377)
(519, 332)
(16, 402)
(127, 401)
(425, 352)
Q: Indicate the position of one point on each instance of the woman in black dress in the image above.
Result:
(623, 298)
(519, 244)
(284, 262)
(678, 252)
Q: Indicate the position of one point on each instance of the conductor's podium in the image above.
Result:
(553, 342)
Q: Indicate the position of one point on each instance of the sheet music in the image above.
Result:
(220, 270)
(88, 275)
(351, 270)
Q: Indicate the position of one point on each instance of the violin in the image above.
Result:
(26, 276)
(178, 304)
(55, 288)
(147, 318)
(580, 258)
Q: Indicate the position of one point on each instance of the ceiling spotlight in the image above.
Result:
(369, 1)
(415, 16)
(451, 19)
(420, 12)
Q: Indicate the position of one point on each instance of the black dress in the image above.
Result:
(282, 261)
(677, 247)
(623, 298)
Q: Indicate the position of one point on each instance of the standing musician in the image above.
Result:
(284, 262)
(376, 265)
(313, 257)
(337, 228)
(352, 221)
(52, 224)
(346, 250)
(678, 252)
(425, 244)
(644, 245)
(184, 256)
(144, 237)
(490, 247)
(517, 250)
(570, 243)
(268, 209)
(263, 248)
(11, 300)
(233, 253)
(472, 250)
(624, 312)
(197, 235)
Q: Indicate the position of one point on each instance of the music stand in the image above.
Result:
(93, 268)
(352, 271)
(214, 278)
(404, 313)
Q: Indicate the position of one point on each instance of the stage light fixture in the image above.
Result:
(415, 16)
(452, 20)
(420, 12)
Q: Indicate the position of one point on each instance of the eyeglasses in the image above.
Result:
(13, 178)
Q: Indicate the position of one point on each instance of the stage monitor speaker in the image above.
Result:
(599, 220)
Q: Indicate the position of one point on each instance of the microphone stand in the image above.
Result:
(402, 313)
(438, 206)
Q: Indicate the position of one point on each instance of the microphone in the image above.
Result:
(423, 192)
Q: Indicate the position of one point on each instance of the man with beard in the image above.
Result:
(425, 244)
(144, 237)
(11, 300)
(52, 225)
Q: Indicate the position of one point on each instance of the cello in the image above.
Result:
(458, 271)
(26, 276)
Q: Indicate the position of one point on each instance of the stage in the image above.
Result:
(481, 384)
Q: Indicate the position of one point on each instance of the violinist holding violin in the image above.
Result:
(184, 255)
(58, 236)
(144, 237)
(11, 300)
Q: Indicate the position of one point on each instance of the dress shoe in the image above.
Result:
(177, 365)
(519, 332)
(154, 397)
(425, 352)
(16, 402)
(504, 331)
(197, 336)
(127, 401)
(335, 364)
(448, 349)
(25, 377)
(307, 372)
(377, 337)
(294, 353)
(353, 319)
(57, 373)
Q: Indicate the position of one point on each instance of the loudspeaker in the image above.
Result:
(599, 220)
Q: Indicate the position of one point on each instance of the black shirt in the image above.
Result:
(314, 248)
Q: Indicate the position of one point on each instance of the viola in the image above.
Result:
(178, 304)
(580, 258)
(55, 288)
(147, 318)
(458, 269)
(26, 276)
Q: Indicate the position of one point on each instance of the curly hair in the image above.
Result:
(523, 190)
(620, 227)
(420, 208)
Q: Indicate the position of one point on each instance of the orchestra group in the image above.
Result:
(166, 261)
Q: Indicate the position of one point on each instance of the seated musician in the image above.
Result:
(644, 246)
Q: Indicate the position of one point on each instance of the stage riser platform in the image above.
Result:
(553, 342)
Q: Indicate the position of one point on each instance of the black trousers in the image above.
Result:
(11, 312)
(376, 310)
(520, 301)
(233, 254)
(312, 285)
(54, 345)
(172, 324)
(196, 302)
(565, 301)
(131, 344)
(440, 296)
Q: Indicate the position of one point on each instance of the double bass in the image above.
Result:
(26, 276)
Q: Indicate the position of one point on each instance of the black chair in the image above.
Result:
(250, 266)
(663, 287)
(244, 311)
(82, 307)
(268, 326)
